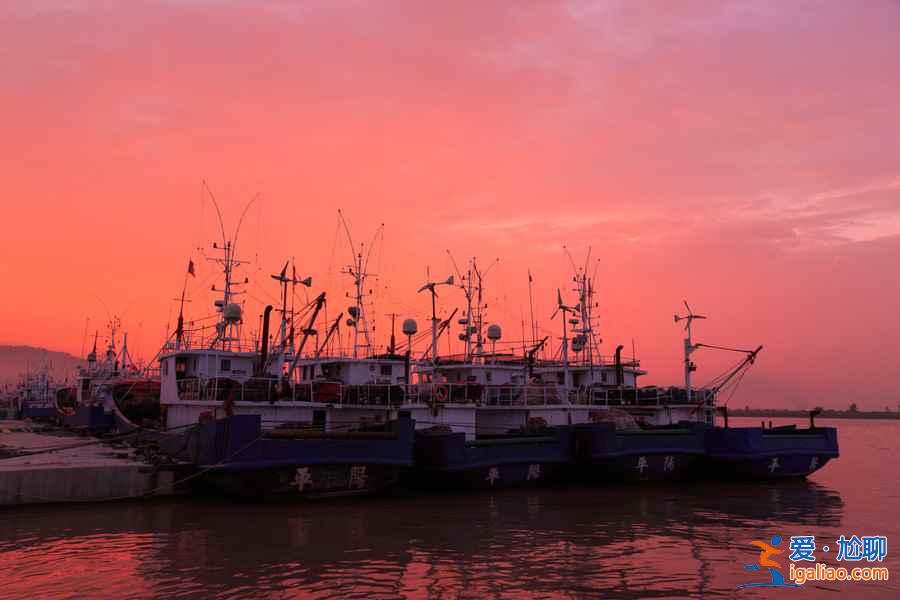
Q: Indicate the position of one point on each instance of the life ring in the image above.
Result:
(441, 393)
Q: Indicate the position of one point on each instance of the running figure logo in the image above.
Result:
(766, 551)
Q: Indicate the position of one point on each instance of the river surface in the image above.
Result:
(604, 542)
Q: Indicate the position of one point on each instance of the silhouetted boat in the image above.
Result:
(237, 458)
(604, 453)
(535, 456)
(768, 453)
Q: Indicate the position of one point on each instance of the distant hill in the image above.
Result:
(15, 360)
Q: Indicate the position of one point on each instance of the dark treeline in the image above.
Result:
(852, 412)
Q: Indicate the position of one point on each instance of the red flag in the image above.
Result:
(191, 268)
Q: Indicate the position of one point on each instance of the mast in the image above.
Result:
(393, 345)
(466, 286)
(228, 329)
(689, 347)
(434, 320)
(563, 311)
(286, 329)
(358, 271)
(531, 309)
(584, 341)
(567, 379)
(479, 310)
(472, 285)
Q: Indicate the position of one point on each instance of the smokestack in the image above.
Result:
(264, 349)
(620, 374)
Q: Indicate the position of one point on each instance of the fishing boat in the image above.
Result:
(620, 450)
(35, 394)
(288, 380)
(271, 419)
(489, 423)
(537, 455)
(754, 452)
(237, 457)
(749, 453)
(111, 391)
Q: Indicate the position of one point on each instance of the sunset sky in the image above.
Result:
(742, 155)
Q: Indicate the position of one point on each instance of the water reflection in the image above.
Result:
(611, 541)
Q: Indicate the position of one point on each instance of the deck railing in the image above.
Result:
(393, 395)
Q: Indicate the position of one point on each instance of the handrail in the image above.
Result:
(259, 389)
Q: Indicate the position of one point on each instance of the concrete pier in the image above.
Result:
(91, 472)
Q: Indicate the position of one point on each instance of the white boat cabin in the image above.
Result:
(353, 371)
(462, 373)
(587, 376)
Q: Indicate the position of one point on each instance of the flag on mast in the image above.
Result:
(191, 268)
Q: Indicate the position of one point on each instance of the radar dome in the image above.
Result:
(494, 332)
(232, 313)
(410, 327)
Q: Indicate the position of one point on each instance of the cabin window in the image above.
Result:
(165, 367)
(226, 364)
(386, 370)
(603, 376)
(458, 376)
(488, 376)
(371, 367)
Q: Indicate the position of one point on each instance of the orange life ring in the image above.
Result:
(441, 394)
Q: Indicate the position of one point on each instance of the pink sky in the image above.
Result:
(744, 156)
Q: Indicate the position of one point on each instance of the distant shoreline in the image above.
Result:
(825, 414)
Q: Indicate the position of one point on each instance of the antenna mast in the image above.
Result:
(286, 331)
(434, 320)
(564, 310)
(358, 272)
(228, 329)
(689, 347)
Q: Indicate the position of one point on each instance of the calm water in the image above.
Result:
(614, 542)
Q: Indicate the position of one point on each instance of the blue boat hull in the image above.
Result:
(89, 418)
(298, 481)
(234, 457)
(42, 413)
(448, 461)
(603, 454)
(757, 453)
